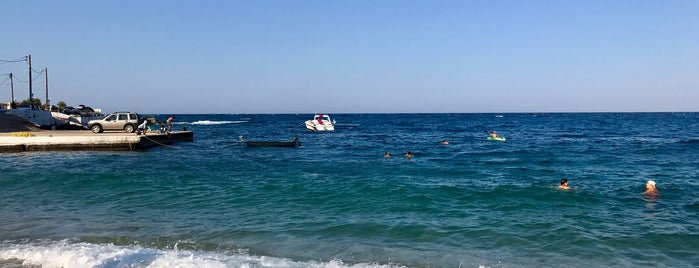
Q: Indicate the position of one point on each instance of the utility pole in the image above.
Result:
(31, 95)
(12, 89)
(48, 102)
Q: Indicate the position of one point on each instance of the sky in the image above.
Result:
(331, 56)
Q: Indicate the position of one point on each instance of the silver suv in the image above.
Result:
(116, 121)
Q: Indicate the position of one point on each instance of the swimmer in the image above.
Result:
(445, 142)
(564, 185)
(651, 190)
(409, 155)
(386, 155)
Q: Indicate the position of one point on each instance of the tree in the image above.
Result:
(61, 105)
(35, 102)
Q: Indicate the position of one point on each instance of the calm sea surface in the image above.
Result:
(336, 202)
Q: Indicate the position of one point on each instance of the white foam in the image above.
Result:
(208, 122)
(71, 254)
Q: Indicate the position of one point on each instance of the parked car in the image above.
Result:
(70, 110)
(85, 110)
(125, 121)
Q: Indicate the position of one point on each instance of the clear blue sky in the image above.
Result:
(357, 56)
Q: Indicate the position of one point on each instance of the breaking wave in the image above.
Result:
(69, 254)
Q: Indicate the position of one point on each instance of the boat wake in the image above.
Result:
(347, 124)
(208, 122)
(690, 141)
(70, 254)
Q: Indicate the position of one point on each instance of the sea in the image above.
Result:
(336, 201)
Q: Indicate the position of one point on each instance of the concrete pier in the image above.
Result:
(84, 140)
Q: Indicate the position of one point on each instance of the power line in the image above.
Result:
(20, 80)
(4, 64)
(8, 63)
(38, 76)
(27, 81)
(17, 60)
(37, 72)
(8, 78)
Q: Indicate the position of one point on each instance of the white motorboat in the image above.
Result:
(320, 122)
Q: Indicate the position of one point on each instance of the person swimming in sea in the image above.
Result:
(386, 155)
(409, 155)
(445, 142)
(564, 185)
(651, 190)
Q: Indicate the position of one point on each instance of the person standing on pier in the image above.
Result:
(169, 123)
(142, 128)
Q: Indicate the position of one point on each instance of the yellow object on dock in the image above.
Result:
(22, 134)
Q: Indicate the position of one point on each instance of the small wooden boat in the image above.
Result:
(292, 143)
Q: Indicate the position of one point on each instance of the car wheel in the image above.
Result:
(96, 128)
(128, 128)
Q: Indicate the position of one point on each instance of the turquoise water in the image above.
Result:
(336, 202)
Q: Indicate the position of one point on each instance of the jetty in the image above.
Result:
(84, 140)
(17, 134)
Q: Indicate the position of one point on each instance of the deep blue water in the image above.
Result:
(336, 202)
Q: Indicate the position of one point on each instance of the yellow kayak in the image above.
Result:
(496, 139)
